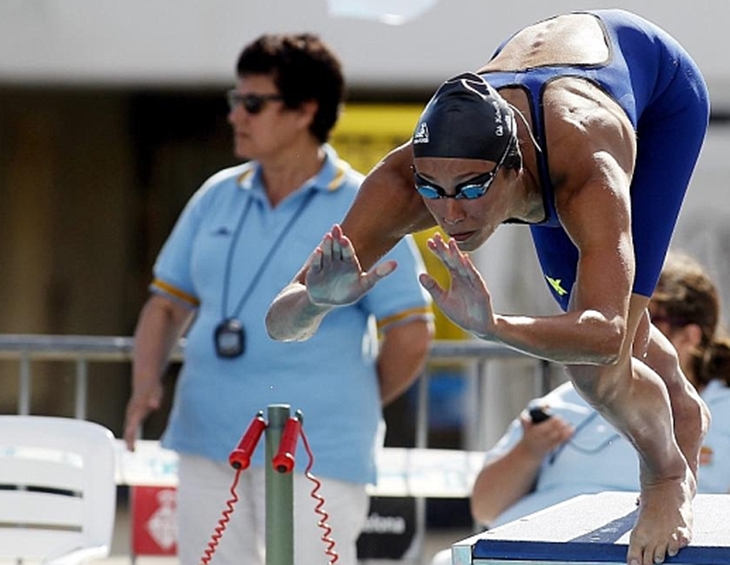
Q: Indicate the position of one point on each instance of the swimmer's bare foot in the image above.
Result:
(664, 524)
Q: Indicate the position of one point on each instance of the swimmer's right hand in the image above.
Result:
(334, 276)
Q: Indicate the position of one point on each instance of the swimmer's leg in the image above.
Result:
(635, 399)
(691, 414)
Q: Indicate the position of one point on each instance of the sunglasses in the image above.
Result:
(252, 103)
(472, 189)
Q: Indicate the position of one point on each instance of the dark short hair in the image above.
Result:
(304, 68)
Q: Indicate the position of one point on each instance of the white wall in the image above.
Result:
(179, 42)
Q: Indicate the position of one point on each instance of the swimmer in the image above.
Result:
(586, 127)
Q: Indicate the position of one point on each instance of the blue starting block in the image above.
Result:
(594, 529)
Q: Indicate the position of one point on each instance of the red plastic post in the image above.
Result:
(283, 461)
(240, 458)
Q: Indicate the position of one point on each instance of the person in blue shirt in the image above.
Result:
(240, 238)
(586, 127)
(538, 463)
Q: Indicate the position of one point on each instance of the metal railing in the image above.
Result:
(81, 350)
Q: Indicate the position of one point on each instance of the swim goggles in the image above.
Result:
(472, 189)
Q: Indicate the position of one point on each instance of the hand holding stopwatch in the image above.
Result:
(538, 414)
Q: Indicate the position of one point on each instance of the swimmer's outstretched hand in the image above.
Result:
(334, 276)
(467, 301)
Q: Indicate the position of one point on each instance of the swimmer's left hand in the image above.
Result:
(335, 277)
(467, 301)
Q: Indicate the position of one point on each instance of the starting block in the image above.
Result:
(594, 529)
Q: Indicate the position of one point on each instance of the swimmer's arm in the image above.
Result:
(596, 215)
(595, 326)
(292, 316)
(386, 209)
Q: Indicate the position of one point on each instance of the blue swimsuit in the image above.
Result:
(664, 95)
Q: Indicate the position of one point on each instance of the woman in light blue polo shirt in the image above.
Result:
(241, 238)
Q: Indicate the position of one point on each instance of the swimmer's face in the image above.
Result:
(463, 196)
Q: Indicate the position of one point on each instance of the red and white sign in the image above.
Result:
(154, 520)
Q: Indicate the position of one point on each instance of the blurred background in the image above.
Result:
(112, 114)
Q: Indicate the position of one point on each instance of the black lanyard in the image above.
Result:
(586, 450)
(231, 251)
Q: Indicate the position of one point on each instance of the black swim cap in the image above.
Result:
(465, 118)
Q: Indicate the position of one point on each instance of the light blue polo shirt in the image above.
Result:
(597, 458)
(331, 377)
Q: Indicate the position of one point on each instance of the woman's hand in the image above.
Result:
(139, 407)
(542, 438)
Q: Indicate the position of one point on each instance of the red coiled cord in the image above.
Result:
(329, 542)
(282, 462)
(223, 522)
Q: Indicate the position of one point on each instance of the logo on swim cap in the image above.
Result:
(421, 135)
(498, 122)
(465, 118)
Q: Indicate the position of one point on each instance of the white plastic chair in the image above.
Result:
(57, 489)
